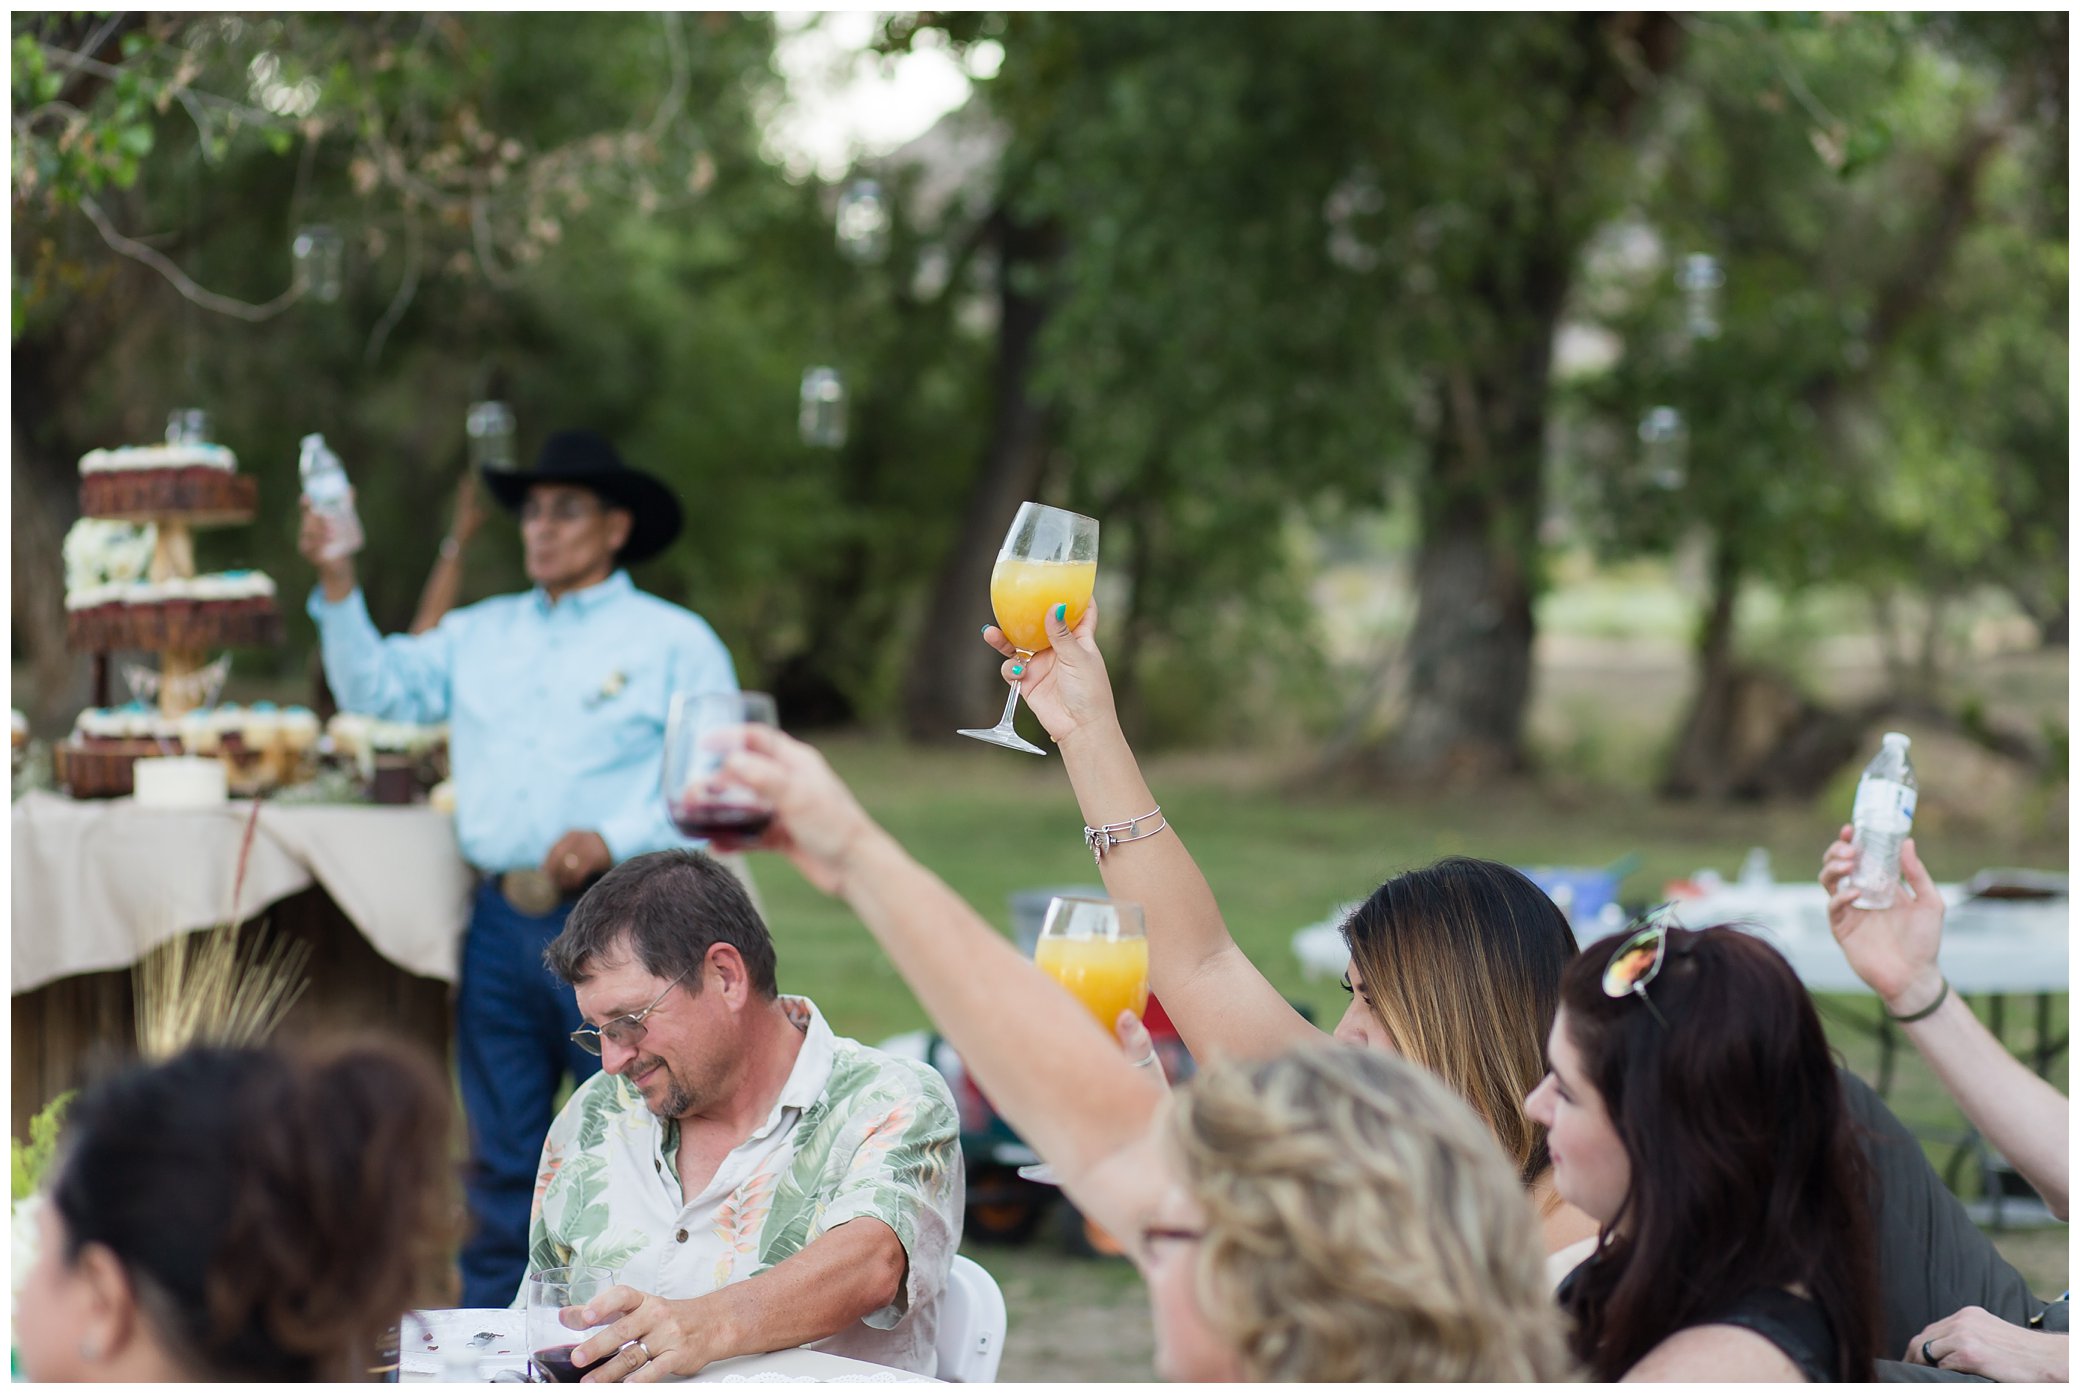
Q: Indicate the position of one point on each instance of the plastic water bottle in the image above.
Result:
(325, 485)
(1884, 816)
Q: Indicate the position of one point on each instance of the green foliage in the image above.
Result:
(31, 1162)
(1885, 401)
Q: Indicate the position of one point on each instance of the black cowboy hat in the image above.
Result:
(587, 459)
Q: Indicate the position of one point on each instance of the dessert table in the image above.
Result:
(380, 893)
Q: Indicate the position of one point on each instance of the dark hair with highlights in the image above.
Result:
(671, 907)
(1461, 960)
(1746, 1174)
(275, 1212)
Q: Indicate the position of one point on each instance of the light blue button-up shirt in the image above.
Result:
(555, 712)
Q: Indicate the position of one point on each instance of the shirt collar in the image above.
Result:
(583, 602)
(811, 1074)
(806, 1082)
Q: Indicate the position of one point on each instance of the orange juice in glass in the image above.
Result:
(1049, 558)
(1098, 950)
(1021, 593)
(1108, 976)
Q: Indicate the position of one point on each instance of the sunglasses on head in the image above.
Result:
(1637, 961)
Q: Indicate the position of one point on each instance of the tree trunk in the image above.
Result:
(1482, 495)
(1469, 654)
(44, 493)
(953, 680)
(1702, 763)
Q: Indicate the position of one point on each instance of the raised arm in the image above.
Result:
(1220, 1002)
(444, 582)
(1059, 1078)
(402, 678)
(1894, 950)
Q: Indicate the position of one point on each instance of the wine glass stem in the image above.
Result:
(1010, 706)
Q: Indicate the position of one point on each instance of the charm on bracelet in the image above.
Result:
(1103, 839)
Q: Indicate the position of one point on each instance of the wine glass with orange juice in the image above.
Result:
(1049, 558)
(1098, 950)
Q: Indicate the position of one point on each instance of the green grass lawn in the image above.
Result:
(992, 823)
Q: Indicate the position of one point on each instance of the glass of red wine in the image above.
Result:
(556, 1299)
(702, 732)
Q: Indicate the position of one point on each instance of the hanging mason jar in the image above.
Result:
(188, 426)
(491, 436)
(823, 408)
(320, 255)
(863, 222)
(1700, 278)
(1667, 442)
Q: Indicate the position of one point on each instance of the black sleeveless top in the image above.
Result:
(1794, 1325)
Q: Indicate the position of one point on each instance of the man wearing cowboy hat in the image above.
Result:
(555, 701)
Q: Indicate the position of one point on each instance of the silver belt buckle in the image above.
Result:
(530, 891)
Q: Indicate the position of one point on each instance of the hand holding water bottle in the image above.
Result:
(1893, 949)
(1883, 817)
(331, 497)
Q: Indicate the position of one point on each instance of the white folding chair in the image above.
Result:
(972, 1322)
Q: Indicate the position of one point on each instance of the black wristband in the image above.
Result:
(1927, 1011)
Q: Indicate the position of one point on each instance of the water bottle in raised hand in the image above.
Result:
(332, 498)
(1884, 816)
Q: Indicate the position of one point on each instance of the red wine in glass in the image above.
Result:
(555, 1362)
(733, 824)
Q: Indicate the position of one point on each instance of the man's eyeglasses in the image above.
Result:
(564, 508)
(1637, 963)
(625, 1031)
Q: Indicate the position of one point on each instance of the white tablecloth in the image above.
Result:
(98, 883)
(1988, 945)
(472, 1344)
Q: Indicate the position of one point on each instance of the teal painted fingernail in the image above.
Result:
(985, 631)
(1061, 612)
(1018, 670)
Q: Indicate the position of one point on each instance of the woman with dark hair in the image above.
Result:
(1693, 1109)
(1455, 965)
(240, 1214)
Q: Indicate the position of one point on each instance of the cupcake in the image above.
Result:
(263, 726)
(199, 732)
(229, 719)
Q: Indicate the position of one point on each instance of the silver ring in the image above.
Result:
(1928, 1355)
(1145, 1061)
(647, 1356)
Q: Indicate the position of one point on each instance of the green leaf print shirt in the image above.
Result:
(855, 1133)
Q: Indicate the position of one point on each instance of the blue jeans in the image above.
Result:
(513, 1020)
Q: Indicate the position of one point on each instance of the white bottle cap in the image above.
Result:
(1898, 738)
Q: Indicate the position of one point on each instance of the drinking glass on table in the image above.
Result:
(1098, 950)
(556, 1300)
(1049, 558)
(702, 731)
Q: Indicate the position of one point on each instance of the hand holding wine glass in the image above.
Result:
(556, 1325)
(1049, 563)
(702, 731)
(1066, 684)
(814, 819)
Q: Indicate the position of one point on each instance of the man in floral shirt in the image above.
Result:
(752, 1180)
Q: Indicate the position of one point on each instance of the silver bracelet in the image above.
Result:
(1103, 839)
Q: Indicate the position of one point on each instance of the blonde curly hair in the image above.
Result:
(1361, 1224)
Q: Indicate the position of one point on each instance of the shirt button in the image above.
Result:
(682, 1236)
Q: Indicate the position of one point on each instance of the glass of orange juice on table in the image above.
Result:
(1049, 558)
(1098, 950)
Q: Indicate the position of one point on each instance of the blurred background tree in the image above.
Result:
(1867, 400)
(1240, 285)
